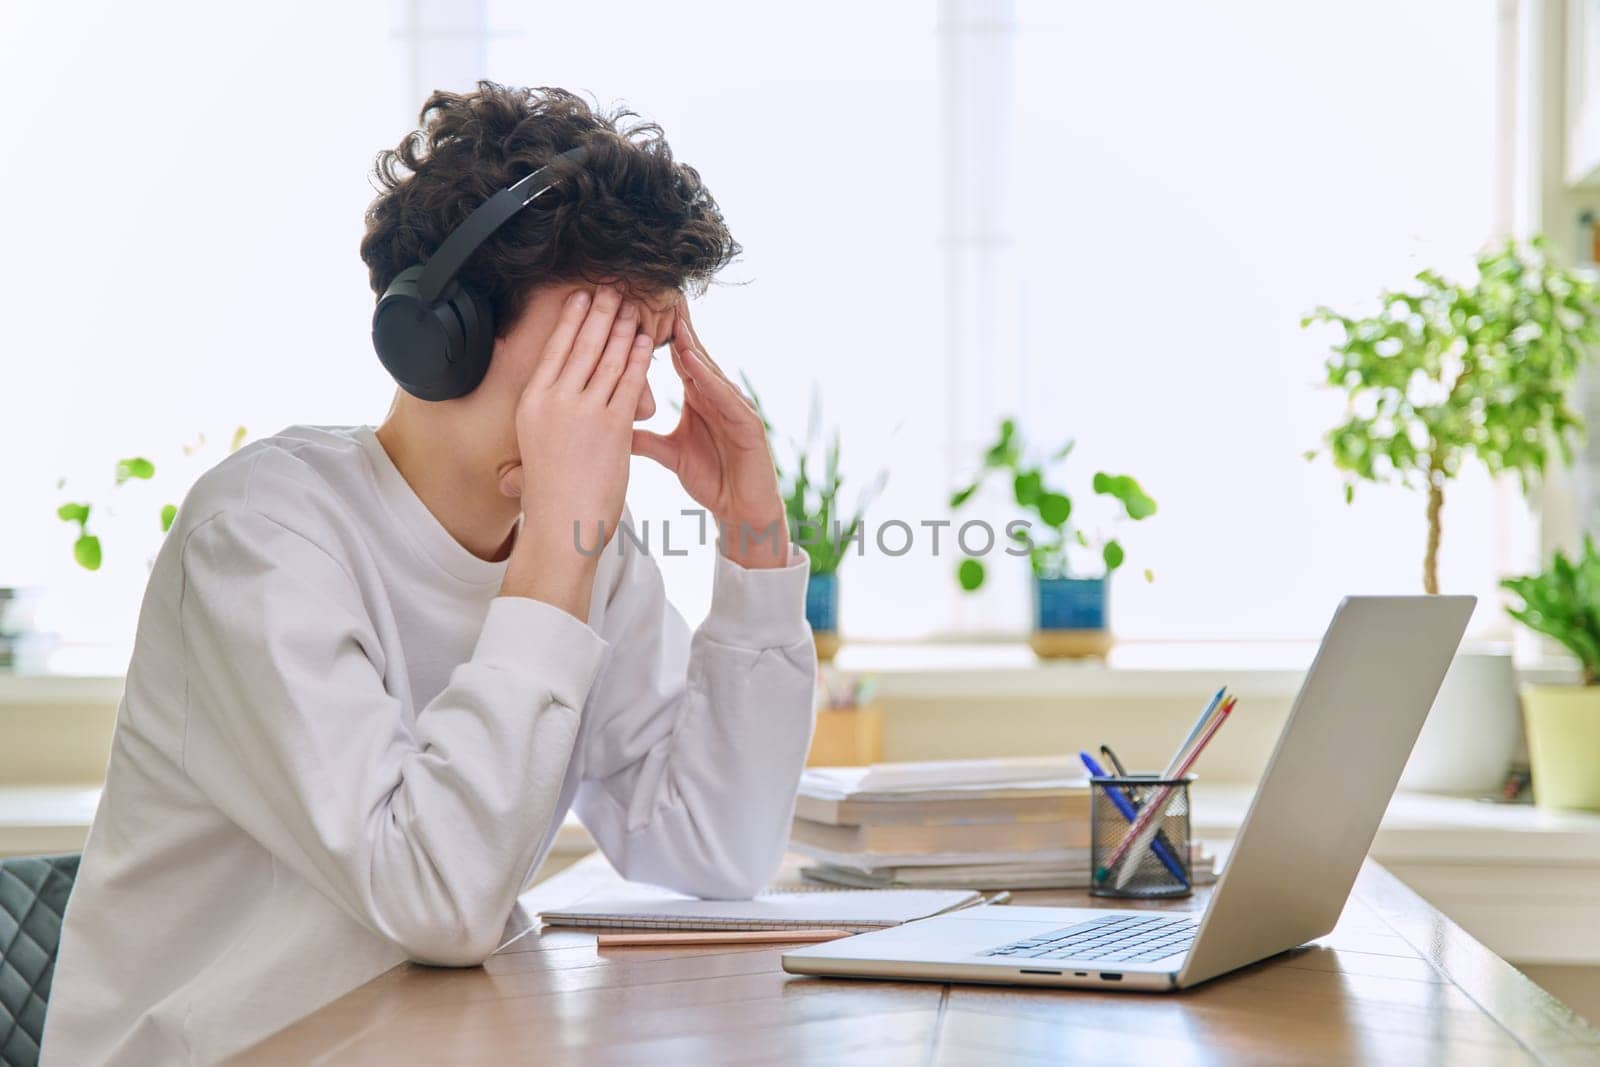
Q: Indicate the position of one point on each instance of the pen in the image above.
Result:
(1161, 848)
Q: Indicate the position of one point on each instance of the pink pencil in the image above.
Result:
(1148, 823)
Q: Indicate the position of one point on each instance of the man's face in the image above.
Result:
(519, 351)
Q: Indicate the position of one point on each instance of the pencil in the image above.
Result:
(721, 937)
(1124, 858)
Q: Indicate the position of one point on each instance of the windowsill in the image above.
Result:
(916, 670)
(1001, 669)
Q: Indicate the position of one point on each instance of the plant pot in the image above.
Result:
(1564, 745)
(1471, 733)
(1069, 618)
(822, 613)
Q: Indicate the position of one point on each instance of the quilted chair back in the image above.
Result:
(33, 897)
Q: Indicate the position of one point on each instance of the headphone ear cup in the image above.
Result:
(472, 311)
(436, 351)
(410, 341)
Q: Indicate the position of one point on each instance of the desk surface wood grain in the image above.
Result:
(1395, 983)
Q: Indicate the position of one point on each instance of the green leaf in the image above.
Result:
(1005, 452)
(961, 496)
(1113, 555)
(1128, 492)
(1563, 602)
(970, 574)
(78, 513)
(136, 467)
(1054, 509)
(1027, 486)
(168, 513)
(86, 550)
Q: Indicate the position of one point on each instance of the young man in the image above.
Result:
(374, 670)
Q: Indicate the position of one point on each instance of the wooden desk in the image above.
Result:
(1395, 983)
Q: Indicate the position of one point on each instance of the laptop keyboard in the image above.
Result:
(1131, 938)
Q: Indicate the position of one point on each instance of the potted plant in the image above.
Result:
(818, 523)
(1563, 602)
(86, 548)
(1071, 564)
(1442, 375)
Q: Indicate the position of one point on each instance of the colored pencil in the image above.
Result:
(720, 937)
(1149, 821)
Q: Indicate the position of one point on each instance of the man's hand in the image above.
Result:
(574, 424)
(719, 452)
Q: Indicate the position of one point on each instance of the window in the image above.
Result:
(1105, 219)
(1186, 183)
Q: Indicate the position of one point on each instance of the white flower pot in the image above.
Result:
(1472, 732)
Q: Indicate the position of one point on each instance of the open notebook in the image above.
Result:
(635, 907)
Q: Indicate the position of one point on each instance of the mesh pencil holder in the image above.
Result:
(1157, 869)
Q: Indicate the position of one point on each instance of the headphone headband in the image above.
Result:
(488, 217)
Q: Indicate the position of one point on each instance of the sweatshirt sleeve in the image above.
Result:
(697, 743)
(422, 829)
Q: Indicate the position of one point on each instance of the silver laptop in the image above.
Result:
(1330, 778)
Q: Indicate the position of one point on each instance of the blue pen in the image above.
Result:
(1129, 812)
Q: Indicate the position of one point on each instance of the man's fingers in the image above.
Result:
(724, 398)
(603, 365)
(630, 382)
(596, 329)
(664, 450)
(693, 398)
(693, 338)
(613, 361)
(559, 344)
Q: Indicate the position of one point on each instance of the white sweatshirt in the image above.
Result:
(339, 749)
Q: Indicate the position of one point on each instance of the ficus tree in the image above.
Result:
(1445, 373)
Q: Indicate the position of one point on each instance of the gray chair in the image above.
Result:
(33, 897)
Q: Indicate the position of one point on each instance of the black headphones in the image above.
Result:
(433, 334)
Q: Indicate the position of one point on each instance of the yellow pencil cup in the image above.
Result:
(847, 737)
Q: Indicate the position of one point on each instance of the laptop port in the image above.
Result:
(1110, 976)
(1029, 970)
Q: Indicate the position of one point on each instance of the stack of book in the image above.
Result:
(952, 824)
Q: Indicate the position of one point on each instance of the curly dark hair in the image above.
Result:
(629, 213)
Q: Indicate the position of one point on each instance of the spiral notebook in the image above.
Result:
(857, 910)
